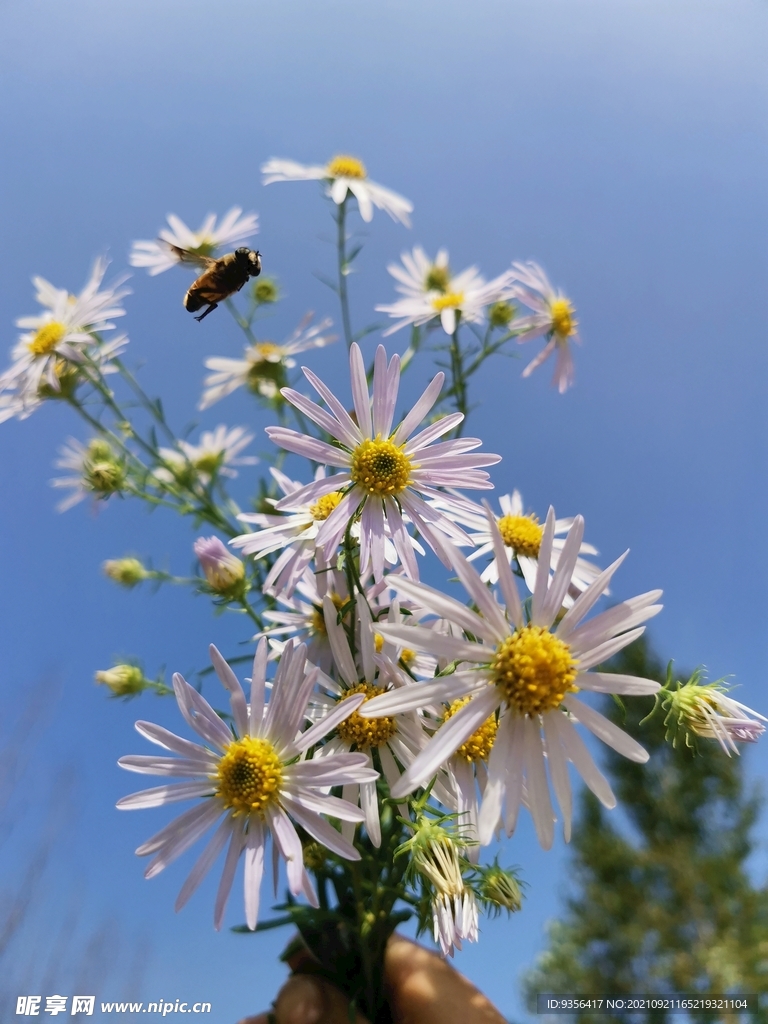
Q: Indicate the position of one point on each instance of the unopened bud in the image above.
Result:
(500, 890)
(123, 680)
(704, 709)
(128, 572)
(314, 856)
(103, 473)
(266, 291)
(223, 571)
(501, 314)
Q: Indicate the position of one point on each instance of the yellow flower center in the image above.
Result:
(380, 467)
(406, 656)
(437, 279)
(325, 505)
(451, 300)
(366, 732)
(267, 351)
(248, 776)
(317, 620)
(564, 322)
(521, 533)
(534, 670)
(478, 746)
(343, 166)
(47, 338)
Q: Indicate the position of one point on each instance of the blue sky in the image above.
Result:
(622, 144)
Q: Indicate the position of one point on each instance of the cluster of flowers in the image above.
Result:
(388, 685)
(384, 686)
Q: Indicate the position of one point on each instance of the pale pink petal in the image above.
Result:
(254, 871)
(228, 872)
(606, 730)
(360, 395)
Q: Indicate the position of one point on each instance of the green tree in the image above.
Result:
(660, 901)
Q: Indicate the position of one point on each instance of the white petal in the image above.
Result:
(258, 684)
(254, 870)
(538, 787)
(230, 681)
(558, 588)
(542, 572)
(419, 695)
(369, 802)
(447, 740)
(506, 579)
(613, 682)
(342, 711)
(582, 760)
(606, 731)
(419, 410)
(161, 795)
(205, 861)
(558, 769)
(321, 830)
(163, 738)
(360, 396)
(605, 651)
(585, 601)
(178, 837)
(495, 787)
(228, 872)
(339, 645)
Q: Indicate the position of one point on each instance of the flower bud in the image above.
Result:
(500, 890)
(501, 314)
(223, 571)
(128, 572)
(103, 472)
(266, 291)
(123, 680)
(704, 709)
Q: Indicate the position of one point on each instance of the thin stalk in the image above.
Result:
(458, 378)
(341, 245)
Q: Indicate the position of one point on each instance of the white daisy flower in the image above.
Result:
(522, 535)
(96, 471)
(343, 175)
(384, 472)
(250, 780)
(218, 451)
(60, 336)
(301, 615)
(430, 291)
(294, 533)
(157, 257)
(530, 671)
(397, 738)
(553, 315)
(262, 368)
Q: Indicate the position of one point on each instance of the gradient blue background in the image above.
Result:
(620, 143)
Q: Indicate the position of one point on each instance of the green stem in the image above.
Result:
(458, 378)
(341, 243)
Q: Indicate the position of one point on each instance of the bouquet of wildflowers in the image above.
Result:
(386, 730)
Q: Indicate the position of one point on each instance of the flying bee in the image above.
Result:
(220, 278)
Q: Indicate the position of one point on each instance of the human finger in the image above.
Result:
(425, 989)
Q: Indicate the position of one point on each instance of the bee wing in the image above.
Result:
(187, 256)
